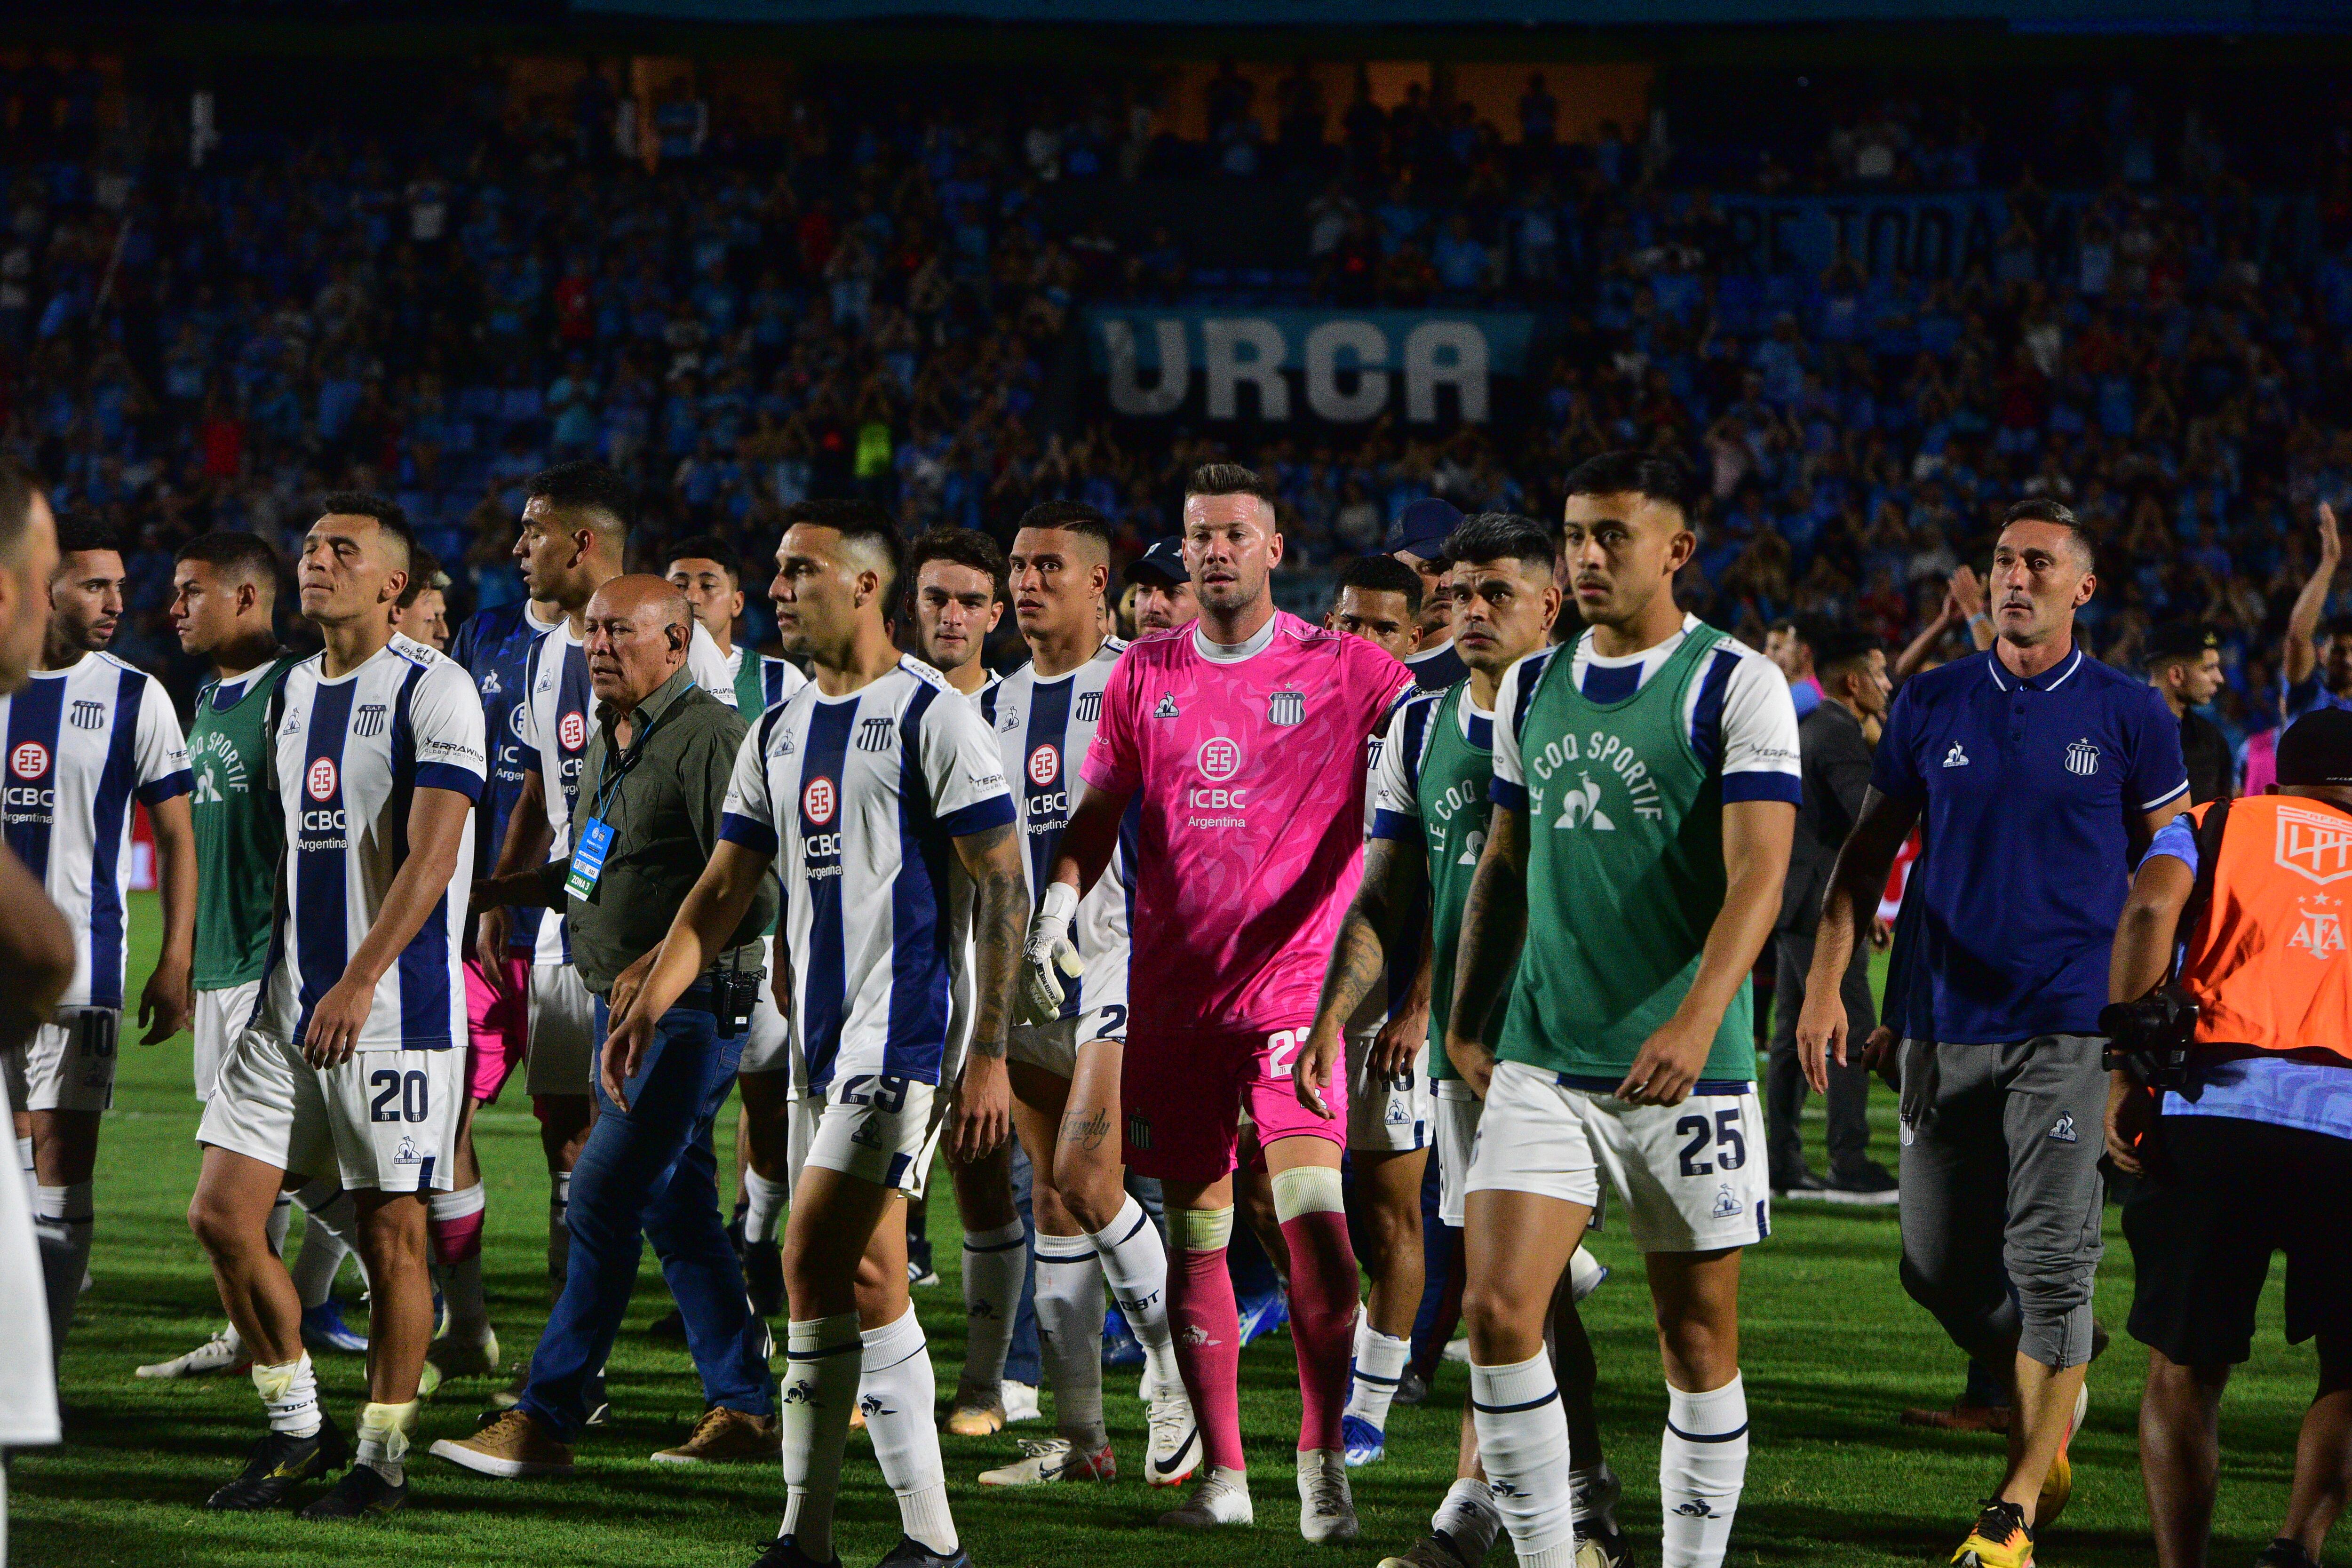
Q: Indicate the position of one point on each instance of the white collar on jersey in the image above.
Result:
(62, 674)
(1424, 654)
(1235, 652)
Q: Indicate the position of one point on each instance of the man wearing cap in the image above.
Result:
(1163, 588)
(2237, 1117)
(2184, 665)
(1418, 538)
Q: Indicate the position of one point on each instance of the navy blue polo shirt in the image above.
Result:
(2028, 789)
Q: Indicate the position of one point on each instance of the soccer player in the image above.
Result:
(710, 573)
(1164, 599)
(87, 735)
(1249, 841)
(574, 536)
(1066, 1072)
(224, 594)
(867, 785)
(1645, 797)
(421, 614)
(349, 1064)
(1417, 540)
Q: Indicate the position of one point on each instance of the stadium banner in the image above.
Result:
(1333, 367)
(1944, 235)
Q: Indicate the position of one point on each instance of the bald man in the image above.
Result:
(654, 780)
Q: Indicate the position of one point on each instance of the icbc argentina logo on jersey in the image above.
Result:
(29, 761)
(820, 839)
(819, 800)
(1045, 764)
(1218, 759)
(321, 779)
(571, 730)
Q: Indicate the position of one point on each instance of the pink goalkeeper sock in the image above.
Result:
(1208, 1331)
(453, 1225)
(1322, 1321)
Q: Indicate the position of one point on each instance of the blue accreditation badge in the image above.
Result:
(588, 858)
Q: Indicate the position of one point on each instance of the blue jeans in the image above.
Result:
(649, 1173)
(1023, 1359)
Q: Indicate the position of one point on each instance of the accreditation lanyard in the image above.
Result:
(595, 839)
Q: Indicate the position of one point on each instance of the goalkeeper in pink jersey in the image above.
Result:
(1238, 741)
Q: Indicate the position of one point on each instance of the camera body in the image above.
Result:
(2149, 1038)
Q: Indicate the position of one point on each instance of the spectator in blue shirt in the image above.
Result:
(2039, 773)
(2312, 675)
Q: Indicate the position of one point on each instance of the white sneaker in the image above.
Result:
(1174, 1452)
(1457, 1352)
(1585, 1273)
(1220, 1497)
(1325, 1512)
(1020, 1402)
(1054, 1460)
(224, 1353)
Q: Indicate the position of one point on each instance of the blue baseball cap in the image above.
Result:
(1162, 563)
(1421, 528)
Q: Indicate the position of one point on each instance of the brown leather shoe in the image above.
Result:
(722, 1435)
(512, 1445)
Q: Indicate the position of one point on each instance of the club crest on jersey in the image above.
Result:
(1089, 706)
(571, 730)
(30, 760)
(1167, 709)
(818, 800)
(1219, 758)
(1286, 708)
(87, 715)
(874, 734)
(369, 720)
(321, 779)
(2082, 757)
(1045, 764)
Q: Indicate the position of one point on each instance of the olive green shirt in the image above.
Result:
(661, 796)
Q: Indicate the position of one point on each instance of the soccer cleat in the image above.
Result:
(1174, 1452)
(1220, 1497)
(600, 1407)
(1262, 1316)
(454, 1357)
(1456, 1351)
(1326, 1510)
(278, 1464)
(1593, 1494)
(723, 1435)
(363, 1493)
(1366, 1443)
(1585, 1274)
(2001, 1539)
(508, 1446)
(977, 1412)
(912, 1554)
(1412, 1389)
(1020, 1402)
(1600, 1544)
(323, 1329)
(1120, 1347)
(782, 1552)
(2283, 1553)
(2058, 1486)
(428, 1381)
(1435, 1550)
(763, 1276)
(919, 1272)
(220, 1354)
(1053, 1459)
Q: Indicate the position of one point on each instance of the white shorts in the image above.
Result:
(385, 1120)
(563, 1032)
(1455, 1109)
(1692, 1176)
(221, 1016)
(1391, 1116)
(879, 1129)
(68, 1064)
(768, 1047)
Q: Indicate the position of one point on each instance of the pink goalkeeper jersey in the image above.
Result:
(1249, 769)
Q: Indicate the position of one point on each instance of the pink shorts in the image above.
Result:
(1183, 1093)
(497, 1028)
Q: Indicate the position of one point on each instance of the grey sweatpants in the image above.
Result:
(2001, 1192)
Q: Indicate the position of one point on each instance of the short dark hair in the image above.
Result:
(247, 556)
(1501, 536)
(858, 521)
(1835, 650)
(2058, 515)
(707, 547)
(1231, 479)
(1072, 516)
(961, 547)
(587, 486)
(18, 486)
(1658, 477)
(77, 532)
(389, 519)
(423, 567)
(1380, 575)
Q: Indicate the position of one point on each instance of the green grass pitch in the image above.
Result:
(1834, 1350)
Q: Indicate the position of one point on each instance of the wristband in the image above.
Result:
(1059, 904)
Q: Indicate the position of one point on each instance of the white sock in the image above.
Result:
(994, 1264)
(25, 1163)
(559, 1228)
(1523, 1444)
(1135, 1267)
(281, 1216)
(821, 1364)
(1469, 1516)
(334, 1218)
(1702, 1464)
(895, 1389)
(62, 1218)
(461, 1282)
(382, 1444)
(290, 1393)
(1069, 1332)
(763, 1206)
(1379, 1367)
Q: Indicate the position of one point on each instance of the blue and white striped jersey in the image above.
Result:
(858, 798)
(1042, 730)
(350, 754)
(494, 645)
(558, 718)
(82, 742)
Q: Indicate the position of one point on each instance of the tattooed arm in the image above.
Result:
(1374, 926)
(983, 1101)
(1494, 927)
